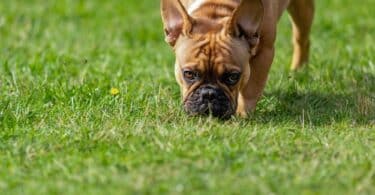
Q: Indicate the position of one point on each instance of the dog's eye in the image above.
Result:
(190, 75)
(232, 78)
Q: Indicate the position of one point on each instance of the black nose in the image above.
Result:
(209, 93)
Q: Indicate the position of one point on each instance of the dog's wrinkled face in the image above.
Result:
(211, 68)
(212, 57)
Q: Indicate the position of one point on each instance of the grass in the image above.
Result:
(62, 132)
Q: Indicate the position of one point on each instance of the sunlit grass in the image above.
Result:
(89, 103)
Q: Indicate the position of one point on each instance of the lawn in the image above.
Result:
(63, 132)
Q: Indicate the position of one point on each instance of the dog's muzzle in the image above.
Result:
(209, 100)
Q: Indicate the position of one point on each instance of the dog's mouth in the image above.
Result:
(218, 106)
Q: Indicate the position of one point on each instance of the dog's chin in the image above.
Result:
(220, 107)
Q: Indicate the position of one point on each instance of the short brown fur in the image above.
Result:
(215, 37)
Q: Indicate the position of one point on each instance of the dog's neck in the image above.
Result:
(211, 9)
(210, 15)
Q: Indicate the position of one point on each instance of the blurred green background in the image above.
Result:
(62, 132)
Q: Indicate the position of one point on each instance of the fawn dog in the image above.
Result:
(224, 49)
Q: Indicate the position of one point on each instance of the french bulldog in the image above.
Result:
(224, 49)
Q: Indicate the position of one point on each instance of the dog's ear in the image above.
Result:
(175, 19)
(246, 20)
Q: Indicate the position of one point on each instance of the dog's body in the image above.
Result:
(225, 48)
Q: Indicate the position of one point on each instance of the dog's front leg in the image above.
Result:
(252, 92)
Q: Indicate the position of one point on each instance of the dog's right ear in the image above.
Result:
(175, 19)
(246, 21)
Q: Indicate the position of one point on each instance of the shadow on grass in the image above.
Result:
(313, 108)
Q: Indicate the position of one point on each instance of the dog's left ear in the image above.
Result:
(175, 19)
(246, 20)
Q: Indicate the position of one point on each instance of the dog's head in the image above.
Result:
(212, 54)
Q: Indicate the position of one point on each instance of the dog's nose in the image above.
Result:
(208, 93)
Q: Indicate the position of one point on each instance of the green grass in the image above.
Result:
(62, 132)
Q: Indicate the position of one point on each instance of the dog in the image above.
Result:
(224, 49)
